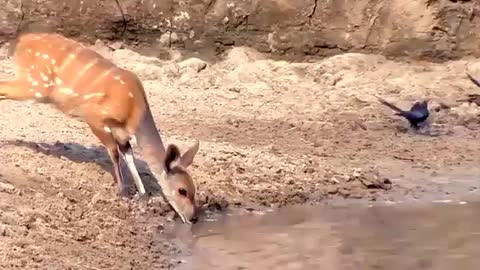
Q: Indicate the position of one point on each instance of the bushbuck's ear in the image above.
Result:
(187, 157)
(171, 155)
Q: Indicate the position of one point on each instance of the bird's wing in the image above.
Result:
(419, 106)
(476, 82)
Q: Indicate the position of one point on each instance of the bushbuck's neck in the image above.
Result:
(149, 140)
(153, 150)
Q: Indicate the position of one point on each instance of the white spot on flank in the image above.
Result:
(88, 96)
(53, 61)
(34, 83)
(58, 81)
(107, 129)
(55, 69)
(38, 95)
(104, 112)
(130, 94)
(32, 66)
(37, 54)
(45, 56)
(122, 82)
(116, 78)
(44, 77)
(66, 91)
(29, 50)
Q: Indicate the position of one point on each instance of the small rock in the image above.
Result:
(97, 198)
(344, 192)
(7, 188)
(192, 64)
(116, 45)
(377, 183)
(332, 190)
(356, 195)
(3, 231)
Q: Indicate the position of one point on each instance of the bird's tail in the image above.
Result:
(391, 106)
(470, 98)
(476, 82)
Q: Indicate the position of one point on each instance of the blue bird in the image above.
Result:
(417, 114)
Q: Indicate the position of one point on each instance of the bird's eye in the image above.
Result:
(182, 192)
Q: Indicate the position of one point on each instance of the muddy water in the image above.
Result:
(397, 236)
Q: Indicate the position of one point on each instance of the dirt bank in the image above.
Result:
(272, 133)
(433, 29)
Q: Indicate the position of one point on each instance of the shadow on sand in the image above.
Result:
(81, 154)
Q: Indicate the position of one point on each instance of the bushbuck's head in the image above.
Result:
(177, 184)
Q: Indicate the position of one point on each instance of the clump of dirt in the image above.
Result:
(272, 133)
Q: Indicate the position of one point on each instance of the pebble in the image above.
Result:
(193, 64)
(7, 188)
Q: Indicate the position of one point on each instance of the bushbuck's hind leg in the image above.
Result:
(105, 136)
(122, 139)
(127, 152)
(17, 90)
(117, 171)
(116, 139)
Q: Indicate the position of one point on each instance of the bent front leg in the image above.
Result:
(127, 153)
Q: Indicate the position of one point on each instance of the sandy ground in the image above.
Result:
(272, 133)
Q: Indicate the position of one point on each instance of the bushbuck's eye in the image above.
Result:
(182, 192)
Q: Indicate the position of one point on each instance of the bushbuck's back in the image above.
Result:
(77, 79)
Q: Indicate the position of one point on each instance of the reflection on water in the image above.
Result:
(436, 236)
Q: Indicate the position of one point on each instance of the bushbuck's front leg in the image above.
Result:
(127, 153)
(17, 90)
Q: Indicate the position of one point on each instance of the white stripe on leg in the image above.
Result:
(129, 159)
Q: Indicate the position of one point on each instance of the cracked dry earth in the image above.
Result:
(272, 133)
